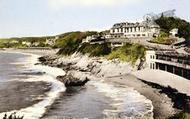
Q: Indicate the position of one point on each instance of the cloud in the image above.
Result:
(90, 3)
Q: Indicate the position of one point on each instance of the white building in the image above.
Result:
(150, 59)
(133, 30)
(169, 61)
(26, 43)
(50, 41)
(14, 42)
(174, 32)
(94, 39)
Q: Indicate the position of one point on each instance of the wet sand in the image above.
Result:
(162, 104)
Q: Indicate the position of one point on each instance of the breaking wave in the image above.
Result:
(37, 110)
(127, 103)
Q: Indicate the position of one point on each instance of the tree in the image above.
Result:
(168, 23)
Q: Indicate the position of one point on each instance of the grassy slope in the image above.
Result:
(129, 53)
(70, 42)
(7, 42)
(95, 49)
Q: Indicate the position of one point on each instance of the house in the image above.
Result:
(50, 41)
(94, 39)
(174, 32)
(26, 43)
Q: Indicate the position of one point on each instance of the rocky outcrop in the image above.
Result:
(47, 60)
(70, 80)
(97, 66)
(12, 116)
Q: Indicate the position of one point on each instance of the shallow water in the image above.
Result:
(33, 91)
(83, 102)
(15, 94)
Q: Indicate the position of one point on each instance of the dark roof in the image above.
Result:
(127, 24)
(173, 54)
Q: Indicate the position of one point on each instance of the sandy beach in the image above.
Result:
(33, 51)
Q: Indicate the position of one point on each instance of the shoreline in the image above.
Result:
(123, 74)
(36, 52)
(37, 109)
(163, 105)
(117, 73)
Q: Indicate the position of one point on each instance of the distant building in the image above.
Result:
(174, 32)
(28, 44)
(94, 39)
(50, 41)
(169, 61)
(35, 44)
(133, 30)
(123, 32)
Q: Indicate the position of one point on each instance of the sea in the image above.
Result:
(32, 91)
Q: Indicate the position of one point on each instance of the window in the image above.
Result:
(152, 66)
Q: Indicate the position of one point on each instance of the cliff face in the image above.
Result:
(98, 66)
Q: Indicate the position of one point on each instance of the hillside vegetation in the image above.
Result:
(72, 38)
(66, 39)
(163, 38)
(70, 42)
(95, 49)
(168, 23)
(181, 115)
(17, 42)
(9, 43)
(128, 52)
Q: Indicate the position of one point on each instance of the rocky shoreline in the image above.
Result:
(117, 72)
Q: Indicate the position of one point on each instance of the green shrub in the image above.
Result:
(71, 38)
(128, 52)
(69, 46)
(95, 49)
(168, 23)
(181, 116)
(70, 42)
(163, 38)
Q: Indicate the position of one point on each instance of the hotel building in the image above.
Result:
(134, 30)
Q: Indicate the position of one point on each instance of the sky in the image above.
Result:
(20, 18)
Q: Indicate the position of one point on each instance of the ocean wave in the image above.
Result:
(37, 110)
(127, 102)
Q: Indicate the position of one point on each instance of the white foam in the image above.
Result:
(125, 100)
(37, 110)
